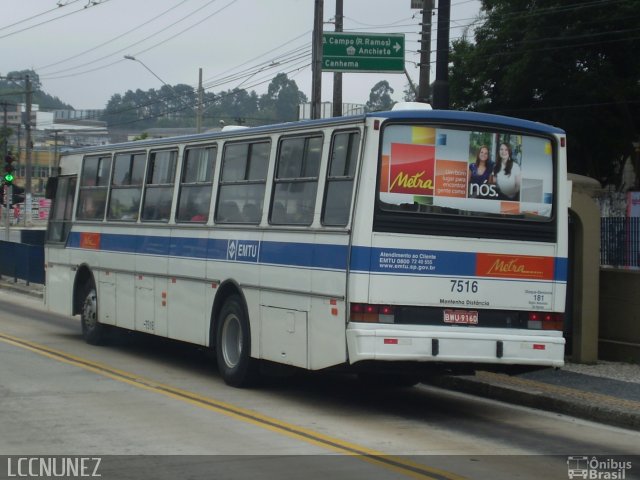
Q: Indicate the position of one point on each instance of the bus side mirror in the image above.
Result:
(51, 188)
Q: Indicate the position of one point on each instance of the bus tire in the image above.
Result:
(233, 345)
(93, 332)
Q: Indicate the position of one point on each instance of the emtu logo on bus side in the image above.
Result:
(243, 250)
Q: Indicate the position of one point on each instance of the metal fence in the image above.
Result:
(620, 242)
(22, 261)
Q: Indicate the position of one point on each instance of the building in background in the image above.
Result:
(326, 110)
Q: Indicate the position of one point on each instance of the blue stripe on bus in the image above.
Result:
(418, 262)
(308, 255)
(305, 255)
(561, 269)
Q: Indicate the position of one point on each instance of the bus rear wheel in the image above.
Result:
(233, 345)
(93, 332)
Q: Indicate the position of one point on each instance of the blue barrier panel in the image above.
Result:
(20, 261)
(7, 259)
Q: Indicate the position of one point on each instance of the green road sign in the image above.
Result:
(362, 52)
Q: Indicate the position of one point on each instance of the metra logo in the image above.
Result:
(243, 250)
(412, 182)
(514, 266)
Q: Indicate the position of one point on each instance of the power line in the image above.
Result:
(92, 4)
(117, 37)
(128, 47)
(38, 15)
(288, 42)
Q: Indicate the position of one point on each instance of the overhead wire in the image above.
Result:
(38, 15)
(111, 40)
(128, 47)
(92, 4)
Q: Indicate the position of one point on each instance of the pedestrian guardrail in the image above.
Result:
(22, 261)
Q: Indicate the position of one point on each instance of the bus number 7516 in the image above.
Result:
(464, 286)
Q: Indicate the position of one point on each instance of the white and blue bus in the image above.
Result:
(393, 243)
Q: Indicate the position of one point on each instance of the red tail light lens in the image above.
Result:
(364, 312)
(545, 321)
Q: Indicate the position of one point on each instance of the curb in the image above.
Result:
(30, 290)
(541, 396)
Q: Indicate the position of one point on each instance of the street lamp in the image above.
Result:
(175, 95)
(130, 57)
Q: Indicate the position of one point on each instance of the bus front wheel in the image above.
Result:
(93, 331)
(233, 345)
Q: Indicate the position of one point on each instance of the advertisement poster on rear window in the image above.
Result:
(441, 170)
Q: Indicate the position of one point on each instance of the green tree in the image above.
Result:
(282, 99)
(380, 97)
(13, 90)
(574, 65)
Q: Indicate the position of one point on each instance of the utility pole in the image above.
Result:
(6, 190)
(27, 181)
(337, 76)
(441, 85)
(5, 130)
(200, 99)
(425, 52)
(55, 152)
(316, 81)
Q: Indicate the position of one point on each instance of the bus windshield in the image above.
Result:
(457, 171)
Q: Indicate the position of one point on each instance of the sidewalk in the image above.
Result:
(606, 392)
(33, 289)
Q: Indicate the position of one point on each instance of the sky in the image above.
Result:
(77, 47)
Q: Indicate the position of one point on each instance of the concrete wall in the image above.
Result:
(619, 337)
(585, 276)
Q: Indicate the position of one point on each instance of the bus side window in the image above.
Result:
(158, 194)
(196, 183)
(126, 186)
(296, 179)
(94, 182)
(61, 210)
(340, 176)
(242, 182)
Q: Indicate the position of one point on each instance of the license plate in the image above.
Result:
(461, 317)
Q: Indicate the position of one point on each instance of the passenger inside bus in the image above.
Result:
(229, 212)
(251, 213)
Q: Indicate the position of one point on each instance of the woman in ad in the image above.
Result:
(506, 174)
(480, 174)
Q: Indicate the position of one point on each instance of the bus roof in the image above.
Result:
(448, 116)
(464, 117)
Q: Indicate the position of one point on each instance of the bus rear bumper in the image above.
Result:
(454, 345)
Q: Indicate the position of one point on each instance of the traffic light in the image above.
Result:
(9, 169)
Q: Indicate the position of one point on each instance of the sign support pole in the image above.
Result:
(316, 81)
(337, 76)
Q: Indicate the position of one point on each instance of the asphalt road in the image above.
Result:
(164, 400)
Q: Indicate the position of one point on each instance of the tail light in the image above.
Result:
(367, 313)
(545, 321)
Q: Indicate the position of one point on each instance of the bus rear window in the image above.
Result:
(454, 171)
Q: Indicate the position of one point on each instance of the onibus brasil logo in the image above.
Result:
(594, 468)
